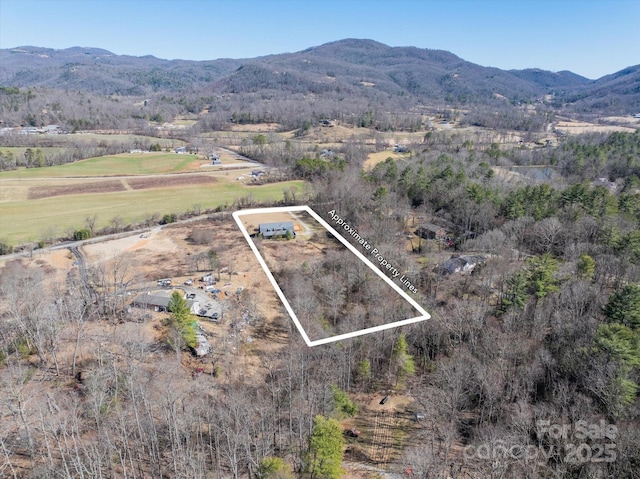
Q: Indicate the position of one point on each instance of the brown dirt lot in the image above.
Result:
(169, 181)
(37, 192)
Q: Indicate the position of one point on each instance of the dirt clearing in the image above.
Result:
(169, 181)
(37, 192)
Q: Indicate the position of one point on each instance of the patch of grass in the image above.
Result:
(374, 158)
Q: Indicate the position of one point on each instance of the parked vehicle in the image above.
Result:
(353, 432)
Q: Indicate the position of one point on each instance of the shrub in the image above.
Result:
(274, 468)
(342, 405)
(168, 218)
(5, 247)
(82, 234)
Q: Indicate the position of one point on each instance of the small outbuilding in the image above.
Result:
(431, 231)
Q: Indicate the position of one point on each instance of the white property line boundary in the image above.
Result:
(286, 209)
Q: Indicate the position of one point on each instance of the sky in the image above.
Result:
(588, 37)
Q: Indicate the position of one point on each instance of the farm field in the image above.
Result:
(114, 165)
(130, 187)
(26, 220)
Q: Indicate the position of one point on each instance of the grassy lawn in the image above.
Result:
(374, 158)
(28, 220)
(124, 164)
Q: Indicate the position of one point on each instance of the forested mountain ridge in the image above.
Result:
(93, 70)
(348, 67)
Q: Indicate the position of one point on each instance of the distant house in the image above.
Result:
(268, 230)
(215, 159)
(160, 303)
(610, 185)
(257, 173)
(460, 264)
(52, 129)
(431, 231)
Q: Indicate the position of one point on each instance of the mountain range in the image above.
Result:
(346, 67)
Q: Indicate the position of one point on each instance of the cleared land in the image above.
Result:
(579, 127)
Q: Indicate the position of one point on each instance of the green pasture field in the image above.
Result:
(116, 165)
(30, 220)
